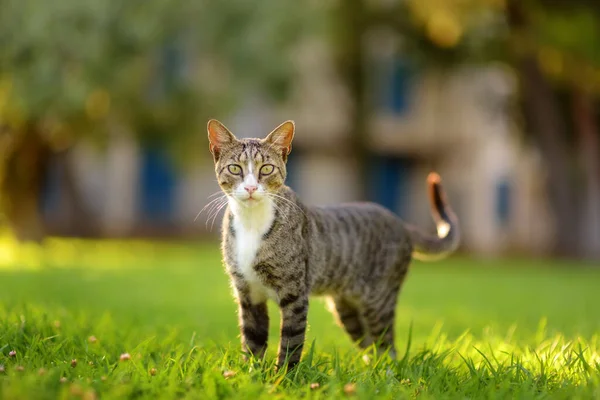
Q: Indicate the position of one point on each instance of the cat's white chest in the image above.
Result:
(247, 244)
(250, 224)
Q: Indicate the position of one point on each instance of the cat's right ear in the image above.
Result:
(218, 137)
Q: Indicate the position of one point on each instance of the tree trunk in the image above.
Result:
(547, 126)
(81, 219)
(589, 149)
(350, 62)
(25, 164)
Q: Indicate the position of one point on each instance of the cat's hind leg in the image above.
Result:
(349, 317)
(379, 313)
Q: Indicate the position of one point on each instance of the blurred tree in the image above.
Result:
(553, 48)
(157, 68)
(557, 59)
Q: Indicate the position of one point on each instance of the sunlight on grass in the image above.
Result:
(112, 318)
(555, 355)
(75, 253)
(12, 253)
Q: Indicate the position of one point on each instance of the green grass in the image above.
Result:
(466, 329)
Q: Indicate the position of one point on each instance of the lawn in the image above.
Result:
(156, 320)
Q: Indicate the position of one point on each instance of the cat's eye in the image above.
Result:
(267, 169)
(235, 169)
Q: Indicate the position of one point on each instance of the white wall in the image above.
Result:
(122, 179)
(324, 180)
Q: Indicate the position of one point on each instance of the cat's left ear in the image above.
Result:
(282, 137)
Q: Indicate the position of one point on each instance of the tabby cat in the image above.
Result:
(275, 247)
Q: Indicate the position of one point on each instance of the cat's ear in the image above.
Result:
(282, 137)
(218, 137)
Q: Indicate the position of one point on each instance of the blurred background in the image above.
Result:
(104, 104)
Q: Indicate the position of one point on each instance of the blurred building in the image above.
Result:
(455, 123)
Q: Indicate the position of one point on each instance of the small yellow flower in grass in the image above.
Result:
(42, 371)
(228, 374)
(405, 381)
(90, 395)
(56, 324)
(63, 380)
(91, 363)
(73, 363)
(20, 368)
(349, 388)
(92, 339)
(153, 371)
(76, 390)
(103, 378)
(125, 357)
(12, 353)
(314, 386)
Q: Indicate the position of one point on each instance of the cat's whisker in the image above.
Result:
(208, 206)
(213, 207)
(216, 205)
(215, 211)
(215, 194)
(215, 215)
(288, 201)
(278, 205)
(281, 212)
(212, 202)
(283, 215)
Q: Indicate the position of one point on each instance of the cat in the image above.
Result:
(276, 248)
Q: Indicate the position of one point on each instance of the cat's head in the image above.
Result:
(249, 170)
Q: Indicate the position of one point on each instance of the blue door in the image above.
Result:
(390, 183)
(157, 185)
(50, 195)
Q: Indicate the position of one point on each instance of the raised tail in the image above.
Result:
(428, 247)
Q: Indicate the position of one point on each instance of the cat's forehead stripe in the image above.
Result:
(251, 150)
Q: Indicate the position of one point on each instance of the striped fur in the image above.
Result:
(274, 247)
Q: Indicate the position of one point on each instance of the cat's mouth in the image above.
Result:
(251, 199)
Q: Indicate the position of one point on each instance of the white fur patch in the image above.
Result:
(250, 223)
(443, 228)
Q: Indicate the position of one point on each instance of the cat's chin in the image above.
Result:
(250, 201)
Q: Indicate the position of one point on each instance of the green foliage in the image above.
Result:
(156, 67)
(567, 45)
(505, 330)
(562, 35)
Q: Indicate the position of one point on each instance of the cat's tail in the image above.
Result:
(429, 247)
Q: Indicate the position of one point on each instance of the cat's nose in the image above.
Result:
(250, 189)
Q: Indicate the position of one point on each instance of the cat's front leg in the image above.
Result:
(294, 312)
(254, 324)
